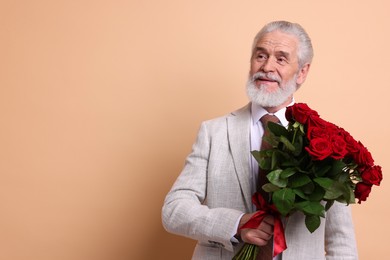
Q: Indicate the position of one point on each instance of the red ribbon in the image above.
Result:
(267, 209)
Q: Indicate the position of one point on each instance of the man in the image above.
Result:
(211, 199)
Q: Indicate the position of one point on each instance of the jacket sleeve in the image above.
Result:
(340, 240)
(185, 211)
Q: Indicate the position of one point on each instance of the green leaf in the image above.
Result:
(298, 144)
(308, 188)
(289, 162)
(322, 169)
(257, 155)
(304, 161)
(302, 128)
(274, 160)
(312, 222)
(324, 182)
(265, 163)
(301, 194)
(343, 177)
(287, 172)
(284, 200)
(317, 194)
(299, 180)
(269, 187)
(277, 129)
(287, 143)
(348, 195)
(337, 167)
(329, 204)
(334, 191)
(352, 197)
(283, 155)
(271, 139)
(274, 178)
(266, 153)
(311, 207)
(280, 158)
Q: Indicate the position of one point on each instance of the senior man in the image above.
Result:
(211, 198)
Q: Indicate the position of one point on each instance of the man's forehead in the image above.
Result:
(278, 40)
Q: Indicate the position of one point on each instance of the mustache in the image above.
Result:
(266, 76)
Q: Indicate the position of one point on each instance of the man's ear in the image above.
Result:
(302, 74)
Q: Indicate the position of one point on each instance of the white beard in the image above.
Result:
(261, 96)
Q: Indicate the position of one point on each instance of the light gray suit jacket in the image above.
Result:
(213, 190)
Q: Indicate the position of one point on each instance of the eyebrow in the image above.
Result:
(278, 53)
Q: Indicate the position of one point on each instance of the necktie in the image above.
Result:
(265, 252)
(264, 120)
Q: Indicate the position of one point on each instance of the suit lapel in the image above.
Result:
(239, 139)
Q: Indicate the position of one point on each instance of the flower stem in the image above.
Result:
(247, 252)
(295, 134)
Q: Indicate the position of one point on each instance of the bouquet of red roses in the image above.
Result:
(312, 164)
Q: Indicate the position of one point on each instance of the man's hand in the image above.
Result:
(260, 235)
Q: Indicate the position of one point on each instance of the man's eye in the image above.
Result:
(261, 56)
(281, 60)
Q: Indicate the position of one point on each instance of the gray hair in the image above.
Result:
(305, 49)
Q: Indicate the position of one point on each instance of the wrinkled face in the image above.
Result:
(274, 73)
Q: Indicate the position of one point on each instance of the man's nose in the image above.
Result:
(268, 65)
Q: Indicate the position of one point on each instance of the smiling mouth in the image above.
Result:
(260, 78)
(265, 80)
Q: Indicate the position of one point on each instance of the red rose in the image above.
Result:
(316, 127)
(289, 115)
(300, 112)
(319, 148)
(373, 175)
(317, 132)
(362, 190)
(339, 147)
(316, 121)
(352, 144)
(362, 156)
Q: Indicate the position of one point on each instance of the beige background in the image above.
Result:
(100, 102)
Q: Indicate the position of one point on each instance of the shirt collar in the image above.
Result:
(258, 112)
